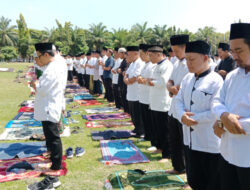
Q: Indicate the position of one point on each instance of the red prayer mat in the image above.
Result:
(88, 102)
(26, 109)
(40, 163)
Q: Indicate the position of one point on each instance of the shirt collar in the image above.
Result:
(203, 74)
(161, 61)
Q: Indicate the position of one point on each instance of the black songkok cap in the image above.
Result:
(179, 39)
(132, 48)
(240, 30)
(105, 48)
(89, 53)
(143, 47)
(170, 50)
(44, 47)
(116, 48)
(155, 48)
(224, 46)
(198, 47)
(97, 51)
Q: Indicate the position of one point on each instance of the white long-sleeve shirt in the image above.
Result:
(116, 66)
(147, 73)
(159, 99)
(234, 97)
(50, 92)
(179, 72)
(196, 95)
(134, 70)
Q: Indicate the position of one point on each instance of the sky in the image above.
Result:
(185, 14)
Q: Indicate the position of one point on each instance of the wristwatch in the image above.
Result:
(220, 124)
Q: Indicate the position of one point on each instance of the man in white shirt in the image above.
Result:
(83, 60)
(115, 75)
(172, 57)
(146, 74)
(70, 67)
(159, 100)
(48, 106)
(178, 44)
(87, 69)
(104, 59)
(192, 104)
(232, 107)
(97, 78)
(130, 79)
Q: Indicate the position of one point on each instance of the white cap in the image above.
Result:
(122, 50)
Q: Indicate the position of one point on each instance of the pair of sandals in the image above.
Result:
(76, 130)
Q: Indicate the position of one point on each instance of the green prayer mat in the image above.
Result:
(138, 180)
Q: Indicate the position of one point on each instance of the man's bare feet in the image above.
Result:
(163, 160)
(158, 151)
(175, 172)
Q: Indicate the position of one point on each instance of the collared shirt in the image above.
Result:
(116, 66)
(134, 70)
(50, 92)
(110, 62)
(179, 72)
(96, 70)
(159, 99)
(147, 73)
(234, 97)
(173, 59)
(104, 59)
(69, 64)
(81, 64)
(195, 95)
(227, 64)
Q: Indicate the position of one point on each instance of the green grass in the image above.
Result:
(84, 173)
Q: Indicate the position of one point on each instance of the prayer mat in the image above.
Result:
(26, 109)
(23, 123)
(88, 102)
(28, 103)
(106, 116)
(74, 91)
(73, 86)
(24, 116)
(101, 110)
(21, 133)
(21, 150)
(6, 70)
(121, 152)
(110, 134)
(138, 180)
(40, 166)
(83, 97)
(108, 124)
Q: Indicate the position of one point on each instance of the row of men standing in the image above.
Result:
(170, 103)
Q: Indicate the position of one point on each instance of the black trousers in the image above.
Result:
(117, 96)
(160, 121)
(123, 92)
(233, 177)
(108, 88)
(74, 72)
(53, 143)
(146, 120)
(70, 75)
(80, 79)
(134, 110)
(176, 145)
(97, 87)
(202, 170)
(87, 78)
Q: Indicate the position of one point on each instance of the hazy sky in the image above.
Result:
(185, 14)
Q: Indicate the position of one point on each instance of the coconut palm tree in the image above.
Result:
(8, 35)
(98, 34)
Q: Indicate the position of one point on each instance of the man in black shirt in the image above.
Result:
(227, 63)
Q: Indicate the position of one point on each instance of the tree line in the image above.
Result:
(18, 40)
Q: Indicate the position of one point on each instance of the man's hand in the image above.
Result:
(113, 71)
(218, 131)
(187, 120)
(231, 122)
(140, 80)
(33, 84)
(150, 82)
(174, 90)
(222, 73)
(119, 71)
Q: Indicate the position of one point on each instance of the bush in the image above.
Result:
(7, 53)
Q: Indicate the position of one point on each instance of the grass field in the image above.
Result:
(86, 172)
